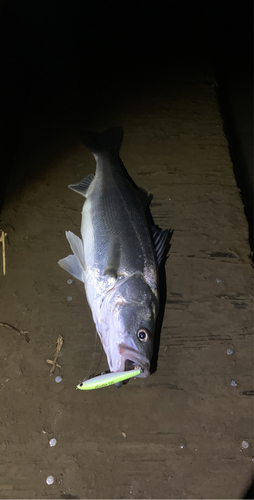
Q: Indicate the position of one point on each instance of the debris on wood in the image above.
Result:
(19, 332)
(50, 362)
(59, 344)
(2, 239)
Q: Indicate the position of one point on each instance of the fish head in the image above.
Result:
(129, 317)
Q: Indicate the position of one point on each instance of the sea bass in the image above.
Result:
(118, 256)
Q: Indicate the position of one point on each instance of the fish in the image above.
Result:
(118, 256)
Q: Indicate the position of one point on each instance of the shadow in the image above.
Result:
(63, 68)
(162, 288)
(9, 140)
(249, 494)
(233, 69)
(159, 321)
(161, 273)
(242, 165)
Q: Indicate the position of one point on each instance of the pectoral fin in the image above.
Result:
(113, 260)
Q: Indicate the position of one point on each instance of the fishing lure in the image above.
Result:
(107, 379)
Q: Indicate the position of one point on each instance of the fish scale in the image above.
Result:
(120, 219)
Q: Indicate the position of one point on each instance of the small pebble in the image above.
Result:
(69, 282)
(218, 280)
(58, 379)
(230, 351)
(233, 383)
(69, 298)
(52, 442)
(50, 480)
(245, 445)
(183, 443)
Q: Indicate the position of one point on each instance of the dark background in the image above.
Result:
(64, 62)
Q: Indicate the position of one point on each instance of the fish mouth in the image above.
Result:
(134, 359)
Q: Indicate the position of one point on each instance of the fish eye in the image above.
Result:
(143, 334)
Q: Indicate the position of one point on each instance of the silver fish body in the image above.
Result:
(118, 257)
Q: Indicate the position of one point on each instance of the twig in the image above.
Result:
(50, 362)
(57, 351)
(19, 332)
(2, 239)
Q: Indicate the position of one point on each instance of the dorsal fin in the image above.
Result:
(82, 186)
(161, 241)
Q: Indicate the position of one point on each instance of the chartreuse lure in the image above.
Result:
(107, 379)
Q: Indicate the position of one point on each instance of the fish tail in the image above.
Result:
(110, 140)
